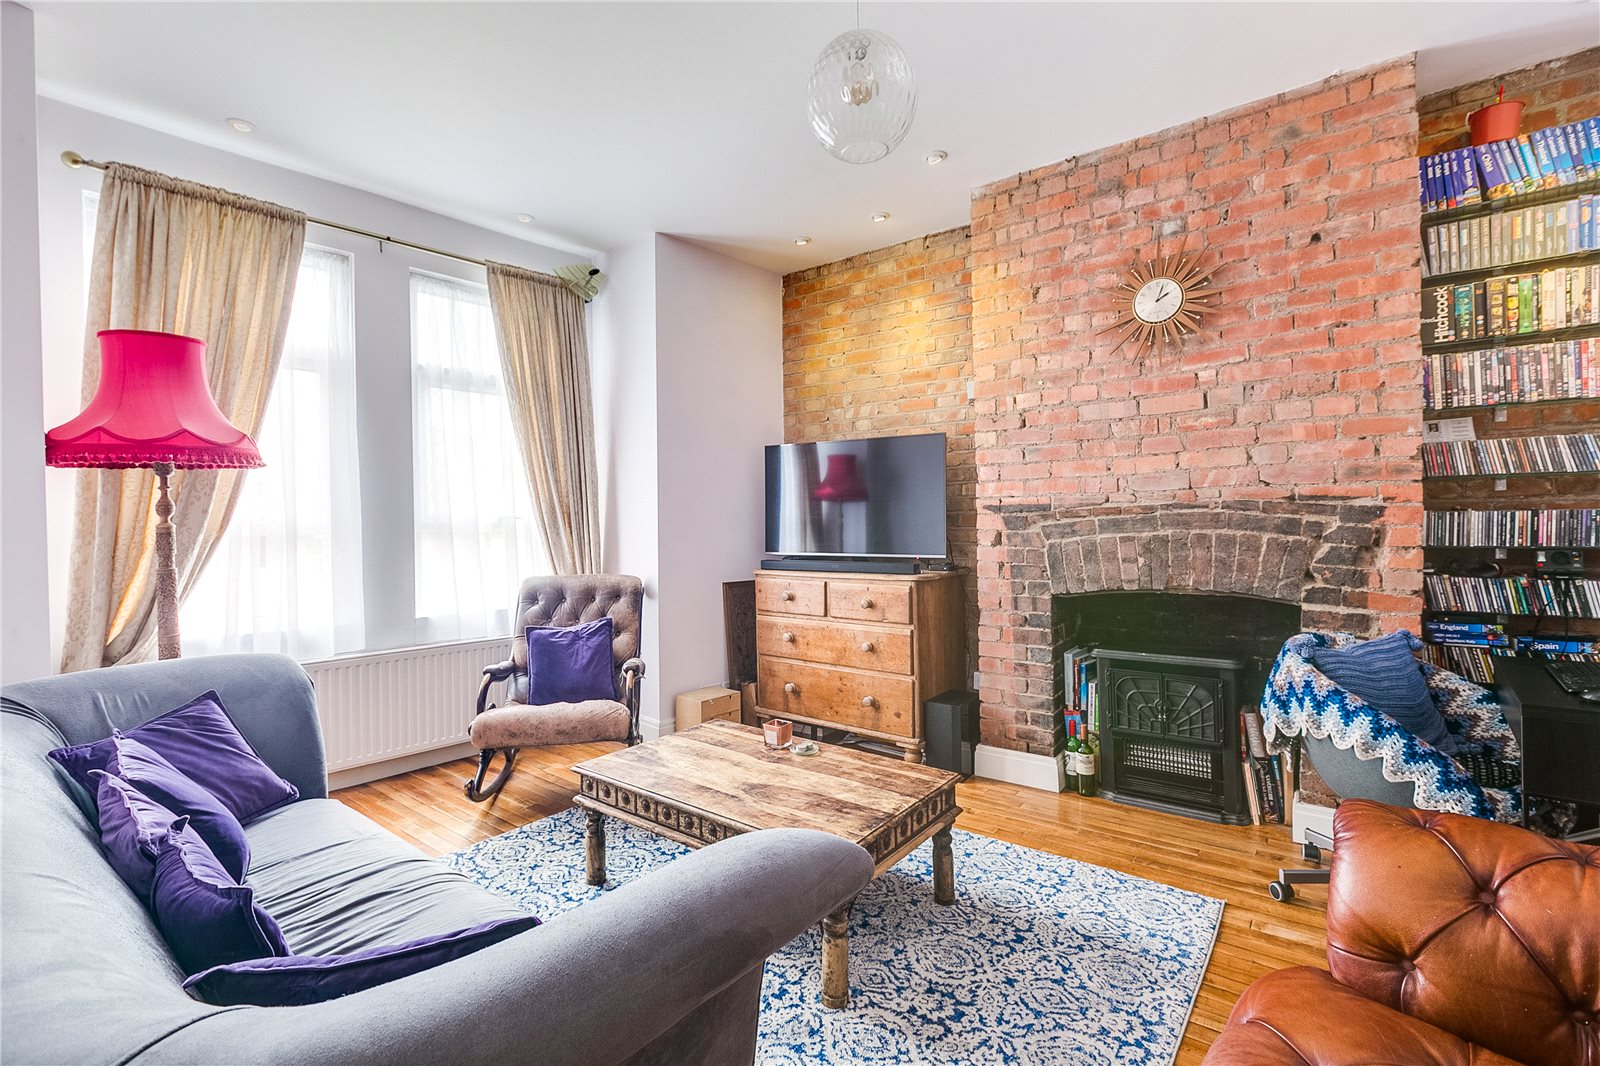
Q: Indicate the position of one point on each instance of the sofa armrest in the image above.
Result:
(1470, 925)
(593, 985)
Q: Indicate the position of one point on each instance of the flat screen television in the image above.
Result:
(883, 496)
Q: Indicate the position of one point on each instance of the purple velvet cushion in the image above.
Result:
(570, 664)
(132, 827)
(201, 741)
(296, 980)
(207, 918)
(158, 779)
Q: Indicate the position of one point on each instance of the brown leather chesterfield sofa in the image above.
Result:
(1452, 941)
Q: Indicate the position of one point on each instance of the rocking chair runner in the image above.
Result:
(559, 602)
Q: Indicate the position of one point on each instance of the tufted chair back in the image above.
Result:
(570, 601)
(1488, 931)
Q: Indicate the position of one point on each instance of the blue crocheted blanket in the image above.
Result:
(1300, 699)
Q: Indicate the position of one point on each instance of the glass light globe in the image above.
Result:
(862, 96)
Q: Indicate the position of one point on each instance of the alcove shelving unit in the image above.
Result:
(1476, 563)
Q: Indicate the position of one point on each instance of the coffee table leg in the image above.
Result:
(944, 869)
(594, 847)
(836, 958)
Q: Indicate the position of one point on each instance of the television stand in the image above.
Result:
(859, 651)
(838, 564)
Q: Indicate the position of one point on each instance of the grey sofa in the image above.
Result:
(666, 969)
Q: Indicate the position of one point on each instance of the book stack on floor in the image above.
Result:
(1079, 669)
(1544, 159)
(1266, 782)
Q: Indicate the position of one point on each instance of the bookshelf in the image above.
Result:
(1527, 376)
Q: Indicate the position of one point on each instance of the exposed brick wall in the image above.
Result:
(881, 344)
(1561, 90)
(1304, 385)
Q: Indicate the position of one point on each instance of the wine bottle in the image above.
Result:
(1087, 765)
(1071, 759)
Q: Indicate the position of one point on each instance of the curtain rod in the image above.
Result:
(76, 161)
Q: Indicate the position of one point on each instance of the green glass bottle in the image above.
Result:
(1088, 751)
(1071, 760)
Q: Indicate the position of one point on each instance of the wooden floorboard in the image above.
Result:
(428, 808)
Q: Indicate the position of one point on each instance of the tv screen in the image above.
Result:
(883, 496)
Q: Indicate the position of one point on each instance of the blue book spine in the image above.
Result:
(1435, 189)
(1494, 176)
(1470, 190)
(1556, 142)
(1541, 152)
(1591, 130)
(1452, 185)
(1530, 163)
(1557, 647)
(1575, 141)
(1511, 159)
(1580, 140)
(1422, 182)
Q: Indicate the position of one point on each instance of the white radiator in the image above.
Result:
(387, 705)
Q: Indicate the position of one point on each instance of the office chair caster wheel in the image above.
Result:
(1281, 891)
(1312, 853)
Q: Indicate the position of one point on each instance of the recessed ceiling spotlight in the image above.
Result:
(242, 125)
(880, 216)
(935, 157)
(524, 217)
(802, 241)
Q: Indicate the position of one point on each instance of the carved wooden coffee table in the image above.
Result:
(718, 780)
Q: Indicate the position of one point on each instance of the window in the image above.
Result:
(286, 575)
(474, 528)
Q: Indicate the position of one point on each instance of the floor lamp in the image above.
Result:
(153, 408)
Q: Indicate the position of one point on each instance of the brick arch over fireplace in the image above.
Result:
(1318, 555)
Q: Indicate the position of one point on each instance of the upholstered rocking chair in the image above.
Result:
(515, 724)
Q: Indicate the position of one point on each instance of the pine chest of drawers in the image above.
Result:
(860, 652)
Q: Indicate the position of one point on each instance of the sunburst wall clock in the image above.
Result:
(1165, 298)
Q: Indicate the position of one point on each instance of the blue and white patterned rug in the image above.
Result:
(1041, 960)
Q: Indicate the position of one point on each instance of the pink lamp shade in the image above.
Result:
(152, 406)
(842, 483)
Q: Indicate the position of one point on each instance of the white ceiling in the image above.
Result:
(608, 121)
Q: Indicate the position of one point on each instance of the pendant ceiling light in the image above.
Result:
(862, 96)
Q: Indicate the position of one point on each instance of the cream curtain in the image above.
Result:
(544, 353)
(184, 258)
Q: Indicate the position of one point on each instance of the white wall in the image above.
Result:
(382, 320)
(24, 592)
(719, 401)
(622, 355)
(687, 350)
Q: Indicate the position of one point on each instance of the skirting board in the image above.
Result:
(417, 760)
(1018, 768)
(1311, 816)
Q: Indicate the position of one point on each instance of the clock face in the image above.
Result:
(1157, 300)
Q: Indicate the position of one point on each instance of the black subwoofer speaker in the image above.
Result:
(951, 721)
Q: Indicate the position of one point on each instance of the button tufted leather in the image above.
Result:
(570, 601)
(1478, 939)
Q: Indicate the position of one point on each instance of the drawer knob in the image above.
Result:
(790, 687)
(866, 603)
(788, 638)
(787, 596)
(869, 701)
(868, 646)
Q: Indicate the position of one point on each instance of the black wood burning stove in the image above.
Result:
(1169, 728)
